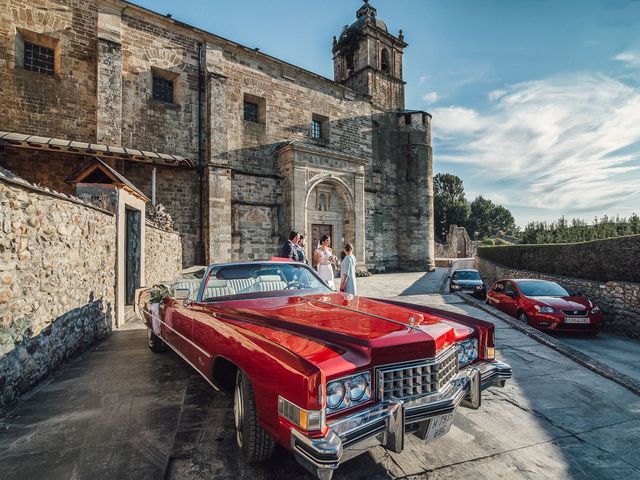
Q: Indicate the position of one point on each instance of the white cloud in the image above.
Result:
(566, 143)
(455, 121)
(423, 80)
(430, 97)
(496, 95)
(632, 59)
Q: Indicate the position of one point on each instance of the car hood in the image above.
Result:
(564, 303)
(467, 283)
(340, 332)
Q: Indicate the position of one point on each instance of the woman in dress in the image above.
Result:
(324, 259)
(348, 271)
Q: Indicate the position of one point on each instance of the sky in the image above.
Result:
(535, 103)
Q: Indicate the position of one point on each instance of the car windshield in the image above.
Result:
(261, 280)
(542, 289)
(466, 275)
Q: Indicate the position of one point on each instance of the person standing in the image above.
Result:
(324, 259)
(348, 271)
(300, 248)
(289, 249)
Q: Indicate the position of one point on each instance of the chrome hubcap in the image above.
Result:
(238, 412)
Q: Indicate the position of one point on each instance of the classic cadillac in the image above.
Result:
(325, 374)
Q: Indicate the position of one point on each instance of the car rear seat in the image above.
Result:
(269, 283)
(242, 285)
(218, 288)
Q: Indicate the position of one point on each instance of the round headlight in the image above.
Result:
(357, 387)
(335, 394)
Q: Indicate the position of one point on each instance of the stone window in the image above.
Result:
(38, 58)
(163, 89)
(385, 64)
(254, 109)
(350, 63)
(251, 112)
(316, 129)
(319, 127)
(163, 85)
(37, 53)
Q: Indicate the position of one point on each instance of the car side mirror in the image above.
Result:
(182, 294)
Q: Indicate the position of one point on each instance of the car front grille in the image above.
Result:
(575, 313)
(416, 379)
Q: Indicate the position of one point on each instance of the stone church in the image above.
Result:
(238, 146)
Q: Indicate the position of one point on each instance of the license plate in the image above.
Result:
(438, 426)
(577, 320)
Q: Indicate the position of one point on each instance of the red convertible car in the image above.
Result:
(326, 375)
(545, 305)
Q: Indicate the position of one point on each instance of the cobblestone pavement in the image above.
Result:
(120, 411)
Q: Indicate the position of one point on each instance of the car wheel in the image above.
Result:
(155, 342)
(523, 318)
(255, 444)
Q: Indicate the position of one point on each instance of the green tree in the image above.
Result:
(488, 219)
(450, 205)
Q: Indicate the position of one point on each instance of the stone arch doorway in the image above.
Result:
(329, 210)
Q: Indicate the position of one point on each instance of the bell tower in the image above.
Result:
(368, 59)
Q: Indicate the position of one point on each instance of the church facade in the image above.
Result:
(238, 146)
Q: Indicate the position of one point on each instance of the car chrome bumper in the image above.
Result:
(385, 424)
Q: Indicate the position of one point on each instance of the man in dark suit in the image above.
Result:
(288, 249)
(300, 248)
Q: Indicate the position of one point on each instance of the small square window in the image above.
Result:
(316, 129)
(39, 59)
(162, 89)
(251, 112)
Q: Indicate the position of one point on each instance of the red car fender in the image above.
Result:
(272, 369)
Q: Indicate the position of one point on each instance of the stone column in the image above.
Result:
(359, 211)
(109, 84)
(218, 226)
(298, 199)
(415, 188)
(217, 175)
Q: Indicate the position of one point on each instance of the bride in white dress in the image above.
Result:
(324, 259)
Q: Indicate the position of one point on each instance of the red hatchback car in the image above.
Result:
(545, 305)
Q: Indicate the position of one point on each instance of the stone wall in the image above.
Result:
(455, 238)
(108, 53)
(288, 99)
(163, 255)
(600, 260)
(619, 301)
(163, 49)
(178, 189)
(50, 169)
(62, 105)
(57, 277)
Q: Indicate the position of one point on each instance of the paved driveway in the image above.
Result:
(122, 412)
